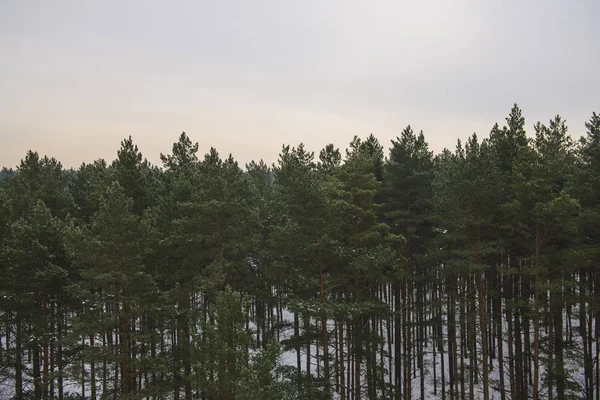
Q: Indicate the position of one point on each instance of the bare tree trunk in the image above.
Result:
(519, 373)
(357, 345)
(341, 365)
(82, 367)
(536, 322)
(307, 335)
(558, 347)
(398, 329)
(46, 354)
(551, 377)
(407, 342)
(452, 342)
(483, 318)
(297, 339)
(37, 378)
(19, 358)
(420, 339)
(587, 349)
(324, 332)
(187, 363)
(92, 371)
(124, 339)
(497, 304)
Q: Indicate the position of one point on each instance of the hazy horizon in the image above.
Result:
(247, 77)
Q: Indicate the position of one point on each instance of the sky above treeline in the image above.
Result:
(248, 76)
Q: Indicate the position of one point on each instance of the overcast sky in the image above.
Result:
(248, 76)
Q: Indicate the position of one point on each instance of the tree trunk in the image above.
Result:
(420, 339)
(452, 342)
(19, 358)
(45, 349)
(187, 362)
(124, 339)
(519, 376)
(497, 304)
(483, 323)
(324, 331)
(341, 366)
(59, 352)
(92, 370)
(536, 321)
(558, 348)
(398, 324)
(37, 378)
(357, 344)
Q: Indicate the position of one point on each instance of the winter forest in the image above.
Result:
(382, 271)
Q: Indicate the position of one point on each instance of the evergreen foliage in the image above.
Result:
(473, 273)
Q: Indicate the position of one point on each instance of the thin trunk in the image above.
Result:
(104, 366)
(297, 340)
(482, 317)
(597, 337)
(357, 344)
(307, 335)
(407, 384)
(497, 304)
(324, 332)
(92, 370)
(388, 328)
(441, 347)
(51, 376)
(341, 373)
(125, 352)
(59, 352)
(116, 378)
(434, 348)
(19, 358)
(46, 353)
(420, 339)
(509, 318)
(471, 335)
(398, 323)
(37, 378)
(551, 376)
(463, 339)
(82, 367)
(349, 370)
(187, 362)
(558, 348)
(583, 318)
(453, 343)
(536, 321)
(519, 376)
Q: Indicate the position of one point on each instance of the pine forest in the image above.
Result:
(380, 271)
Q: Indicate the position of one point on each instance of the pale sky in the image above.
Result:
(249, 76)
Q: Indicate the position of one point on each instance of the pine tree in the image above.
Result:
(114, 281)
(38, 190)
(370, 256)
(588, 188)
(511, 148)
(478, 178)
(554, 213)
(87, 187)
(264, 276)
(408, 176)
(133, 172)
(296, 239)
(179, 252)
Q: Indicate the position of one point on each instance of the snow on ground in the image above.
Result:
(573, 363)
